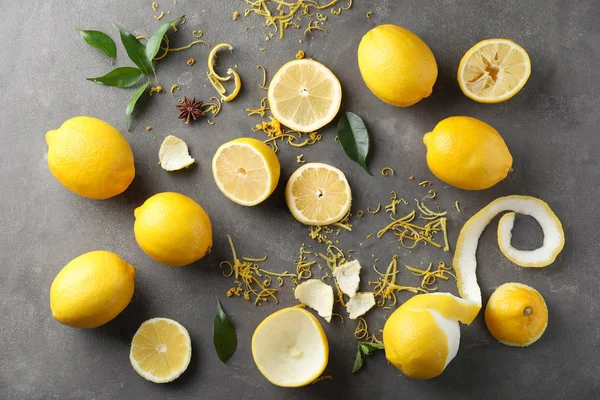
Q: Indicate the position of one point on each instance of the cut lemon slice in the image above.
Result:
(290, 348)
(304, 95)
(465, 261)
(161, 350)
(246, 170)
(493, 70)
(318, 194)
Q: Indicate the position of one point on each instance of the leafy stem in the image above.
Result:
(365, 349)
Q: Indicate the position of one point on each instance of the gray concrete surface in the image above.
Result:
(550, 128)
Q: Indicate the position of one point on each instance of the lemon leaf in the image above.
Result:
(354, 138)
(131, 104)
(100, 41)
(153, 45)
(122, 77)
(136, 51)
(224, 337)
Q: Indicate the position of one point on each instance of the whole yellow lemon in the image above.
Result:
(467, 153)
(173, 229)
(397, 66)
(90, 157)
(91, 290)
(516, 314)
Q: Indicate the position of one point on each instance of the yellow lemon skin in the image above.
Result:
(91, 290)
(516, 314)
(90, 157)
(173, 229)
(415, 344)
(467, 153)
(397, 66)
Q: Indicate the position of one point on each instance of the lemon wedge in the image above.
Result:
(493, 70)
(161, 350)
(246, 171)
(465, 262)
(304, 95)
(318, 194)
(290, 348)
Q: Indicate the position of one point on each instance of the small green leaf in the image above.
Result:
(358, 362)
(224, 336)
(136, 51)
(122, 77)
(131, 105)
(354, 138)
(373, 346)
(365, 349)
(153, 45)
(100, 41)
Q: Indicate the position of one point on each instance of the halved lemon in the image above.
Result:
(493, 70)
(305, 95)
(161, 350)
(290, 348)
(318, 194)
(246, 170)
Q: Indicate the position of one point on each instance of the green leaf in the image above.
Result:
(373, 346)
(100, 41)
(153, 45)
(224, 336)
(136, 51)
(354, 138)
(365, 349)
(122, 77)
(131, 105)
(358, 362)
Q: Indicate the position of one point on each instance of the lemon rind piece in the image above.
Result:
(318, 371)
(317, 295)
(347, 276)
(174, 155)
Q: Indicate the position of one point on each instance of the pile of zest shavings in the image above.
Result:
(322, 234)
(281, 15)
(251, 281)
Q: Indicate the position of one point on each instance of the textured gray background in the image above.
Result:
(550, 128)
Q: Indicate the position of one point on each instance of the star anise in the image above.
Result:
(190, 109)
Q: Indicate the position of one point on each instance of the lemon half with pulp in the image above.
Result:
(494, 70)
(304, 95)
(246, 171)
(318, 194)
(161, 350)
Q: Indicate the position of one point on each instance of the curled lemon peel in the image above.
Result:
(369, 14)
(457, 206)
(159, 16)
(174, 88)
(387, 171)
(238, 85)
(300, 54)
(375, 211)
(275, 131)
(212, 59)
(465, 262)
(360, 213)
(263, 85)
